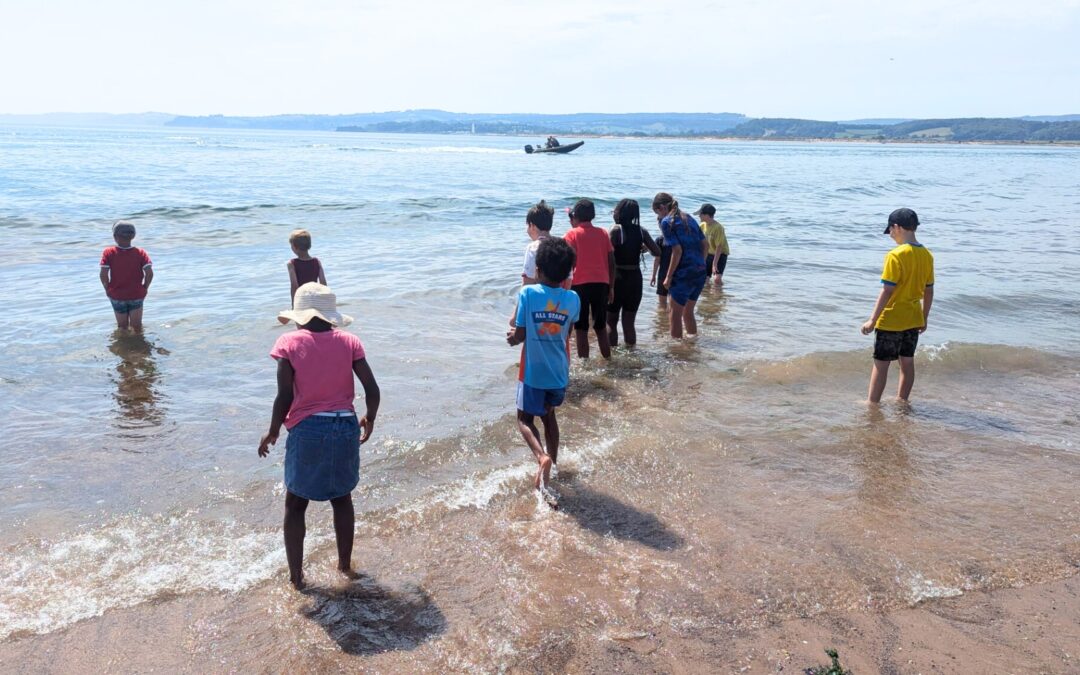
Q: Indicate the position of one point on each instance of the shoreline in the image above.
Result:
(1025, 629)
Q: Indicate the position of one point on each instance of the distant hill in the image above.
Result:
(961, 129)
(149, 119)
(1053, 118)
(439, 121)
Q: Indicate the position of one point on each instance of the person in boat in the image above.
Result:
(552, 142)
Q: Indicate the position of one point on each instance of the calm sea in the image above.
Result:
(130, 473)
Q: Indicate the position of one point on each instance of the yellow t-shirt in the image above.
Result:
(714, 234)
(909, 268)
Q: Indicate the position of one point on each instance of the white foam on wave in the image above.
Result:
(137, 558)
(919, 589)
(128, 561)
(456, 149)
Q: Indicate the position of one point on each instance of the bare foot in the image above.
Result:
(349, 573)
(298, 582)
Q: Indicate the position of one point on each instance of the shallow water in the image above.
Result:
(716, 485)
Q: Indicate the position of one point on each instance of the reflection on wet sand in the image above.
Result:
(365, 618)
(883, 461)
(138, 380)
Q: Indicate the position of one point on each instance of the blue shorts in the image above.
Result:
(535, 401)
(686, 289)
(125, 306)
(322, 457)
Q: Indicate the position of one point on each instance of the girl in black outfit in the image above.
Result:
(629, 239)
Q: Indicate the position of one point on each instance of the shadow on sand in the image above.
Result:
(606, 515)
(365, 618)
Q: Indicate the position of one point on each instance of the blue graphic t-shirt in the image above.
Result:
(686, 233)
(547, 314)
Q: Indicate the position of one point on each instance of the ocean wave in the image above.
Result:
(947, 357)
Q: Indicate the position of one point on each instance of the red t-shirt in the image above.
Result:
(126, 267)
(592, 246)
(322, 363)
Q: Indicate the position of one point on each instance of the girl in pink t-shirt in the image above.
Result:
(316, 364)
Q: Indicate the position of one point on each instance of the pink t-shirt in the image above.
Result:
(592, 246)
(323, 366)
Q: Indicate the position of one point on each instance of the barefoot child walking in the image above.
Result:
(315, 392)
(545, 315)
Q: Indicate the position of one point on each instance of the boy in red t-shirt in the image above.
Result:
(126, 274)
(593, 272)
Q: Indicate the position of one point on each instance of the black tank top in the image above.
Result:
(628, 252)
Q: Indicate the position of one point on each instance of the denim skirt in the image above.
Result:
(322, 457)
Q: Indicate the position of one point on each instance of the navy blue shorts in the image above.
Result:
(685, 290)
(125, 306)
(322, 457)
(538, 402)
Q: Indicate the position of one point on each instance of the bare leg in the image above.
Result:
(344, 529)
(582, 337)
(527, 427)
(136, 319)
(907, 378)
(878, 377)
(629, 332)
(551, 435)
(121, 320)
(613, 328)
(689, 319)
(602, 341)
(295, 529)
(676, 319)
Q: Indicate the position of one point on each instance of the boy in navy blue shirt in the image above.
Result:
(545, 315)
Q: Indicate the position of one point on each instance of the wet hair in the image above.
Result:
(664, 199)
(555, 259)
(301, 239)
(583, 211)
(541, 215)
(627, 212)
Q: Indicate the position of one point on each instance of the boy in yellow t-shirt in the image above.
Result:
(903, 306)
(718, 252)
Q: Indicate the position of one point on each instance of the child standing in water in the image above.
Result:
(903, 306)
(126, 273)
(315, 391)
(303, 268)
(659, 270)
(545, 313)
(593, 274)
(538, 222)
(717, 255)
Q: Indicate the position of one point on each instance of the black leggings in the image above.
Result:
(628, 289)
(593, 299)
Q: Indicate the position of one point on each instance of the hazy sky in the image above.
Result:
(825, 59)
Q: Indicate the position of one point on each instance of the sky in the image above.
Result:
(819, 59)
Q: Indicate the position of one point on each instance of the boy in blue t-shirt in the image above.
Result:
(545, 315)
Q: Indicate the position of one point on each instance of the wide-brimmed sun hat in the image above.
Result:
(314, 301)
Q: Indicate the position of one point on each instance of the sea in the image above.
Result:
(710, 486)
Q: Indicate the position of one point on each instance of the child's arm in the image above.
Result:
(648, 242)
(371, 397)
(148, 276)
(516, 336)
(611, 277)
(104, 276)
(927, 300)
(322, 275)
(293, 285)
(655, 268)
(676, 257)
(879, 307)
(282, 403)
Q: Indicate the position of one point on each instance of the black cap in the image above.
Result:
(905, 218)
(707, 209)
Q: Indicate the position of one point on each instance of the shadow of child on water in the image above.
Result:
(365, 618)
(604, 515)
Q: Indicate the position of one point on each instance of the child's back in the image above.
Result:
(909, 269)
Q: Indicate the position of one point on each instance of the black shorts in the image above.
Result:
(719, 266)
(593, 300)
(628, 289)
(890, 345)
